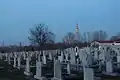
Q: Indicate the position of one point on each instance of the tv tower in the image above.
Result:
(77, 33)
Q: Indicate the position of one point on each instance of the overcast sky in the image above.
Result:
(17, 16)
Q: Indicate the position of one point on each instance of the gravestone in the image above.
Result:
(90, 57)
(6, 57)
(96, 54)
(37, 53)
(14, 65)
(39, 57)
(118, 61)
(50, 55)
(19, 62)
(118, 58)
(27, 68)
(109, 66)
(72, 56)
(39, 71)
(44, 58)
(0, 56)
(66, 55)
(68, 68)
(76, 50)
(84, 57)
(24, 55)
(9, 59)
(88, 74)
(61, 57)
(57, 70)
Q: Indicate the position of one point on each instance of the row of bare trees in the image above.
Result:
(41, 35)
(42, 38)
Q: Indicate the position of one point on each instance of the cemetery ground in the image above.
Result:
(7, 72)
(54, 66)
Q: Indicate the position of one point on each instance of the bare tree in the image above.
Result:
(41, 35)
(69, 38)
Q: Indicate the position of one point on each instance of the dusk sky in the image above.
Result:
(17, 16)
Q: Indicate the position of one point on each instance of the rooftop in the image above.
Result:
(109, 41)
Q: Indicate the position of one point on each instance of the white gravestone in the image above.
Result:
(57, 70)
(50, 56)
(76, 50)
(27, 69)
(1, 56)
(14, 65)
(60, 57)
(72, 56)
(68, 68)
(109, 68)
(39, 71)
(96, 54)
(118, 58)
(6, 55)
(44, 58)
(88, 74)
(9, 59)
(118, 61)
(24, 55)
(39, 58)
(66, 55)
(19, 62)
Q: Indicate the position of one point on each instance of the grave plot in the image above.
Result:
(88, 63)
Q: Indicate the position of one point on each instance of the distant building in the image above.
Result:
(106, 42)
(69, 39)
